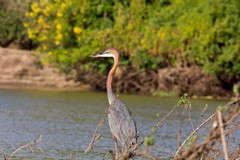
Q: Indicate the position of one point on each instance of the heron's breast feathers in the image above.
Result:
(122, 123)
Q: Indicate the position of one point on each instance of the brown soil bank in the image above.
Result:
(21, 69)
(166, 81)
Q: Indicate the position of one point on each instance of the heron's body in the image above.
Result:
(122, 124)
(120, 118)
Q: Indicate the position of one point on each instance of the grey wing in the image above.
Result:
(122, 123)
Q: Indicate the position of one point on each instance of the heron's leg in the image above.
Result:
(116, 146)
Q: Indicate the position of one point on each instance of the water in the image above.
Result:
(67, 120)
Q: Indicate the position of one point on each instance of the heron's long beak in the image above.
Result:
(97, 54)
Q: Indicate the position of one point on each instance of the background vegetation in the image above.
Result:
(11, 20)
(149, 34)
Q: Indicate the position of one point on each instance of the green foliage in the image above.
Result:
(236, 89)
(67, 30)
(191, 141)
(165, 94)
(223, 108)
(154, 129)
(149, 141)
(11, 18)
(151, 34)
(184, 101)
(223, 43)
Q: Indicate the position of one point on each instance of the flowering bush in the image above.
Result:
(56, 27)
(151, 34)
(63, 29)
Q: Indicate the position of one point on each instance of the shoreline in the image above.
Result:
(20, 87)
(21, 70)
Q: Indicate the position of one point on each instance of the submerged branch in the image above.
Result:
(30, 144)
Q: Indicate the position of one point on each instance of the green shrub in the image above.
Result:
(67, 30)
(150, 34)
(223, 43)
(11, 18)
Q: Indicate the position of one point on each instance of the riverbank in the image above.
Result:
(22, 69)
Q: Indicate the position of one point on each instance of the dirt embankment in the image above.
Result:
(20, 69)
(166, 81)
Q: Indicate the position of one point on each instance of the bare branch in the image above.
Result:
(30, 144)
(222, 135)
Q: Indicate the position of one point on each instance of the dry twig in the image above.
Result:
(30, 144)
(208, 145)
(212, 137)
(94, 137)
(193, 132)
(222, 135)
(204, 109)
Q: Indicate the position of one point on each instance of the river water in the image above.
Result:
(67, 121)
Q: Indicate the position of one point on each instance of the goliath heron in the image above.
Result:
(120, 119)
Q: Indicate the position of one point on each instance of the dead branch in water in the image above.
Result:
(94, 137)
(193, 132)
(28, 145)
(220, 121)
(215, 135)
(208, 148)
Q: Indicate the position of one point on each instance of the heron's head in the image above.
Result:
(108, 53)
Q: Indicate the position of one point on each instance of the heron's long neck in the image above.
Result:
(110, 94)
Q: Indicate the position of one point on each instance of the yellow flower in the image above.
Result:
(57, 42)
(59, 36)
(69, 3)
(197, 59)
(25, 25)
(42, 37)
(77, 30)
(161, 35)
(34, 5)
(46, 26)
(40, 20)
(79, 39)
(26, 14)
(43, 2)
(63, 5)
(35, 8)
(30, 33)
(59, 26)
(46, 10)
(44, 47)
(31, 14)
(59, 14)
